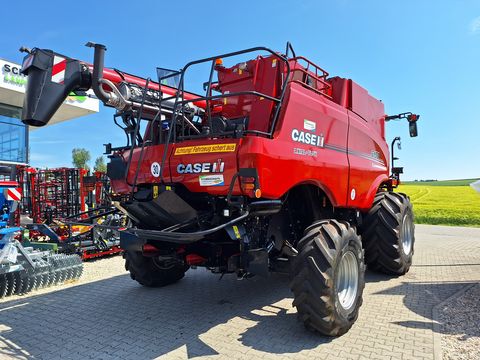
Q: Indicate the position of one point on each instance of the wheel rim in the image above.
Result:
(407, 235)
(347, 280)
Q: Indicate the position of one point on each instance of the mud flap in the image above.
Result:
(258, 262)
(131, 242)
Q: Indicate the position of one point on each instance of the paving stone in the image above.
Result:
(106, 315)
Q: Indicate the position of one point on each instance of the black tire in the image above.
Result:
(385, 227)
(315, 272)
(147, 271)
(12, 284)
(3, 285)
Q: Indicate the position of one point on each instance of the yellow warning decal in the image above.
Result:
(237, 233)
(204, 149)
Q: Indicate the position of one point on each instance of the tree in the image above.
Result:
(100, 164)
(80, 158)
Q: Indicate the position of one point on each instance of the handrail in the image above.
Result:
(289, 48)
(324, 72)
(180, 99)
(307, 73)
(304, 82)
(209, 97)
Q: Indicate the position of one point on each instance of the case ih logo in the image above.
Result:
(197, 168)
(308, 138)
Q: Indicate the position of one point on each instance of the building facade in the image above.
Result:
(14, 134)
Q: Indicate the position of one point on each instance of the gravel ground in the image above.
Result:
(103, 268)
(460, 319)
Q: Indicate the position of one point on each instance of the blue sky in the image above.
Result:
(420, 56)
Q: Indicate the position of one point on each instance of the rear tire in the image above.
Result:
(147, 271)
(389, 234)
(328, 277)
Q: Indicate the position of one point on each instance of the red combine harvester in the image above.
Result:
(276, 167)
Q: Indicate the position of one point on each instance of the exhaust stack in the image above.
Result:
(51, 78)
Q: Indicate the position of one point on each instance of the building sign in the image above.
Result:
(11, 74)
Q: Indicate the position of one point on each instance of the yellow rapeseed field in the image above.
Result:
(444, 205)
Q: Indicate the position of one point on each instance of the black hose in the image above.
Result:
(98, 61)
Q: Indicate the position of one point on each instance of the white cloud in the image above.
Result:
(475, 26)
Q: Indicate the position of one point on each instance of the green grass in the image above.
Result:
(461, 182)
(451, 204)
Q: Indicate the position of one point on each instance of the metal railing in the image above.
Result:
(297, 69)
(180, 103)
(311, 76)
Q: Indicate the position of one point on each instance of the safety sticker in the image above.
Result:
(204, 149)
(14, 194)
(236, 231)
(211, 180)
(58, 69)
(155, 169)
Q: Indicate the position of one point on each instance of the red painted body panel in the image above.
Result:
(192, 180)
(334, 139)
(262, 75)
(368, 157)
(280, 168)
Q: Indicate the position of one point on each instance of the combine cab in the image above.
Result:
(276, 166)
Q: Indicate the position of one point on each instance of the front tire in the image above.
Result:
(389, 234)
(328, 277)
(150, 272)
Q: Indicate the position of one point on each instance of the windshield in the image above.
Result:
(168, 77)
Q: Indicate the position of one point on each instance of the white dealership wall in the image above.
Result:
(12, 92)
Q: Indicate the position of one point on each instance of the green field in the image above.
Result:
(450, 203)
(461, 182)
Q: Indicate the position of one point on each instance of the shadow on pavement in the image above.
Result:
(422, 297)
(117, 318)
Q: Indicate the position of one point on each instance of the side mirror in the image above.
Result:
(412, 126)
(412, 121)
